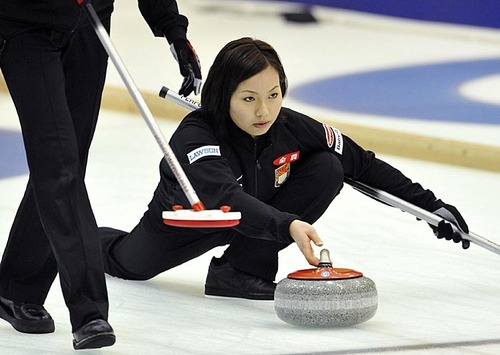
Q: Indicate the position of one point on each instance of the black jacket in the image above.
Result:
(16, 16)
(240, 171)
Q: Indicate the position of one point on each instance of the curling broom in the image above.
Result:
(198, 216)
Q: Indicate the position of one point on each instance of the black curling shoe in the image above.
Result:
(26, 317)
(225, 281)
(93, 335)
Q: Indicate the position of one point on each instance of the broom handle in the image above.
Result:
(172, 161)
(418, 212)
(377, 194)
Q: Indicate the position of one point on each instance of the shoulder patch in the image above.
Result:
(333, 136)
(205, 151)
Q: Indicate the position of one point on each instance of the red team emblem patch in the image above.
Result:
(282, 173)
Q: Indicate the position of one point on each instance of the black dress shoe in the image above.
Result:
(26, 317)
(93, 335)
(224, 280)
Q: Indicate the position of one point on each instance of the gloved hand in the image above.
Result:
(189, 65)
(447, 230)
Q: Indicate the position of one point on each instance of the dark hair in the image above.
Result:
(238, 61)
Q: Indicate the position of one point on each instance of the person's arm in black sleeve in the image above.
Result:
(216, 185)
(363, 166)
(164, 20)
(379, 174)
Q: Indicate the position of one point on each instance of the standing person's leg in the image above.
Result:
(24, 280)
(28, 266)
(313, 184)
(85, 64)
(56, 191)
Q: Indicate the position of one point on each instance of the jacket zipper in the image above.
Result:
(77, 21)
(257, 168)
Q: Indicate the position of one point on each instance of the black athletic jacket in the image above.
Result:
(241, 172)
(16, 16)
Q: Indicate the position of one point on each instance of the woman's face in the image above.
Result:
(256, 102)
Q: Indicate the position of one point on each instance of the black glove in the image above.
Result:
(189, 65)
(447, 230)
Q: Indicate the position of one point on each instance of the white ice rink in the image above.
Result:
(434, 297)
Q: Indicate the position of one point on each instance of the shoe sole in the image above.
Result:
(210, 291)
(96, 341)
(26, 326)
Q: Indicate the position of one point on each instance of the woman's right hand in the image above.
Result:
(303, 234)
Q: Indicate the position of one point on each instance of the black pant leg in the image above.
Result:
(24, 277)
(85, 63)
(35, 66)
(152, 248)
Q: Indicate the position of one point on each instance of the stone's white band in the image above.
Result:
(332, 303)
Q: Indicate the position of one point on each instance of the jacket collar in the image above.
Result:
(240, 138)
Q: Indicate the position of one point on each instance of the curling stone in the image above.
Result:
(325, 296)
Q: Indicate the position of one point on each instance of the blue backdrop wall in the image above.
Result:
(483, 13)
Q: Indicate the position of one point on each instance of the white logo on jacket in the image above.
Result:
(205, 151)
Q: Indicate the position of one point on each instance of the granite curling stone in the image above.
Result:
(325, 296)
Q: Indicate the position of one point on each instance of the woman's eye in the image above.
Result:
(273, 95)
(249, 99)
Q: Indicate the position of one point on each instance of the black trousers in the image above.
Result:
(56, 80)
(151, 247)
